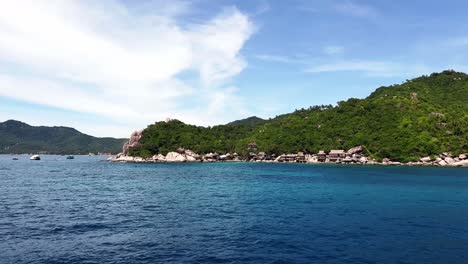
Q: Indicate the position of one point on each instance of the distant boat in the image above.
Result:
(35, 157)
(70, 157)
(15, 158)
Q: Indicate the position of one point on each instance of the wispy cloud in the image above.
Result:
(277, 58)
(123, 63)
(262, 8)
(371, 68)
(333, 50)
(352, 8)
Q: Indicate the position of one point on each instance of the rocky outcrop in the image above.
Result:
(133, 142)
(355, 150)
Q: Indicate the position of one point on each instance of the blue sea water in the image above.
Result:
(90, 211)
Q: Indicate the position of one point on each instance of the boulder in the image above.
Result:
(442, 163)
(159, 157)
(446, 154)
(175, 157)
(462, 156)
(363, 160)
(449, 160)
(355, 150)
(462, 163)
(425, 159)
(190, 158)
(188, 153)
(123, 158)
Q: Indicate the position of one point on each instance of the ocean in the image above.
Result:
(87, 210)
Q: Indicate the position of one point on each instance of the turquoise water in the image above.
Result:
(89, 211)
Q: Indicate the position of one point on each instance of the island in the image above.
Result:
(423, 121)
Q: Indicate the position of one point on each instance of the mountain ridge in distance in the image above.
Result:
(17, 137)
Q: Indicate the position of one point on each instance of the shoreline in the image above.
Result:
(187, 156)
(298, 163)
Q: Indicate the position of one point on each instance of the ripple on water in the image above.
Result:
(96, 212)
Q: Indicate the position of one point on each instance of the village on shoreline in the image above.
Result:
(354, 155)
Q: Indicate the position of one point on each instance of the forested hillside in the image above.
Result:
(18, 137)
(421, 117)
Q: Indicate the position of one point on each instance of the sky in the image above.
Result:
(111, 67)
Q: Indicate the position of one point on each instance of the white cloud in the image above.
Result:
(121, 62)
(366, 66)
(333, 50)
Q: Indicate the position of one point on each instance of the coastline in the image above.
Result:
(353, 156)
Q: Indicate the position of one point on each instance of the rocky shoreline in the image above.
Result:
(352, 156)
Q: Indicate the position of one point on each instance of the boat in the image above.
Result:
(70, 157)
(15, 158)
(35, 157)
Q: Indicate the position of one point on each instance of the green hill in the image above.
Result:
(251, 121)
(424, 116)
(18, 137)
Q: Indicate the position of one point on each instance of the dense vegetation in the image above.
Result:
(17, 137)
(421, 117)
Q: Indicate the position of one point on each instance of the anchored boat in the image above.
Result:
(35, 157)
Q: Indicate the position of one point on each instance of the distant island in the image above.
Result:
(423, 120)
(18, 138)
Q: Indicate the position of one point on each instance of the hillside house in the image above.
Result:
(336, 155)
(321, 156)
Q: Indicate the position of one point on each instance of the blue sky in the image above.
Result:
(110, 67)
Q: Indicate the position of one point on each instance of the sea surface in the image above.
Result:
(87, 210)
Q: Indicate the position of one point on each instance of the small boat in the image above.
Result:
(70, 157)
(35, 157)
(15, 158)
